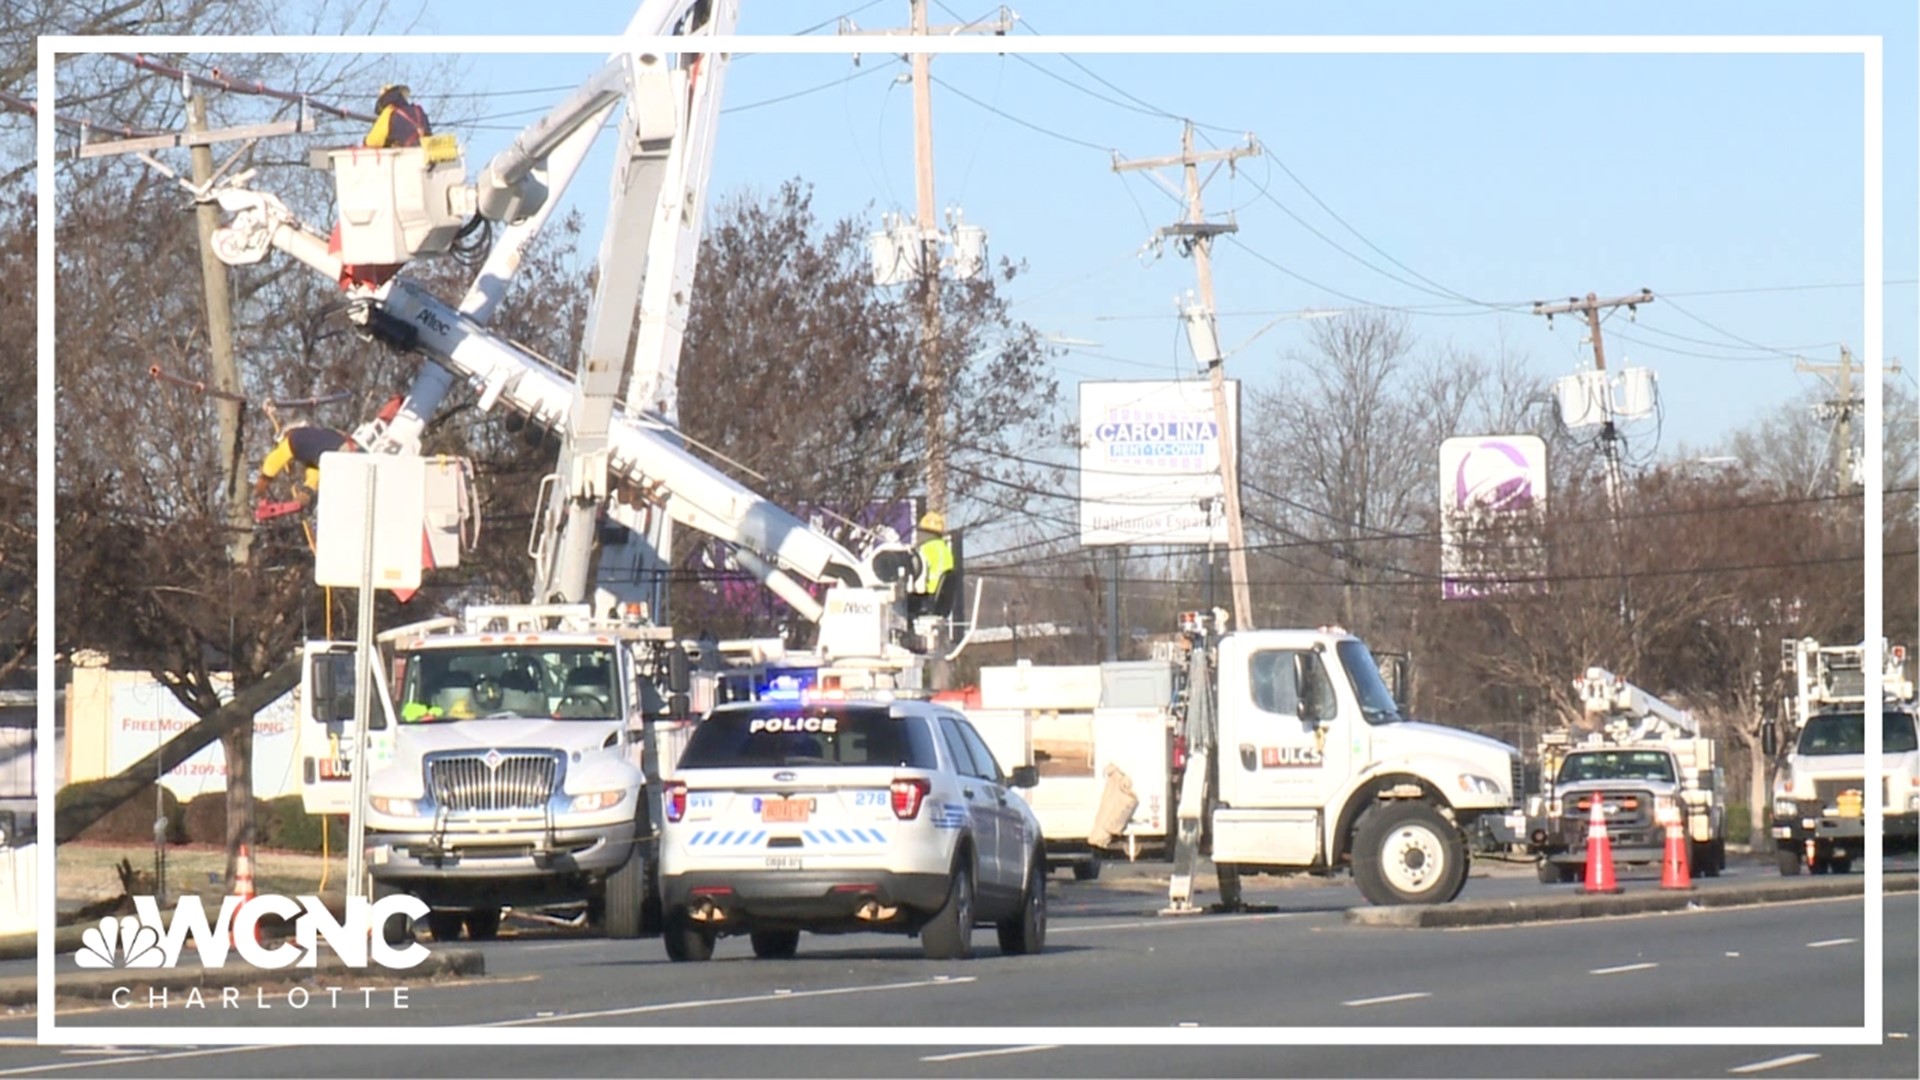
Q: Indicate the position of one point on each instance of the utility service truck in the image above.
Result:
(517, 764)
(1301, 761)
(1635, 754)
(1819, 790)
(1104, 741)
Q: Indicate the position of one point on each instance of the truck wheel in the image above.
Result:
(395, 929)
(949, 936)
(625, 891)
(483, 924)
(1791, 864)
(1573, 875)
(1026, 932)
(1404, 852)
(446, 924)
(775, 944)
(1088, 869)
(687, 942)
(1841, 866)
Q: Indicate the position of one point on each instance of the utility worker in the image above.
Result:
(936, 560)
(400, 122)
(300, 445)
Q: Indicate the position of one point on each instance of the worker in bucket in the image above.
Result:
(400, 122)
(302, 445)
(936, 562)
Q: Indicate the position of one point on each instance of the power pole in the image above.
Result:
(932, 373)
(1195, 234)
(1841, 408)
(1591, 307)
(225, 372)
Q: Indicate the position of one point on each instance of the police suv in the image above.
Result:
(847, 816)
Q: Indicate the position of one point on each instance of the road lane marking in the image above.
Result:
(1622, 968)
(564, 945)
(750, 999)
(1830, 942)
(144, 1059)
(993, 1053)
(1390, 998)
(112, 1051)
(1221, 920)
(1774, 1063)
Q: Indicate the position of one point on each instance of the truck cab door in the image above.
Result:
(324, 743)
(1285, 751)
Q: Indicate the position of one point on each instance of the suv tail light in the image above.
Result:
(1179, 752)
(908, 793)
(676, 801)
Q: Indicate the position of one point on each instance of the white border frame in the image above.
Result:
(1867, 47)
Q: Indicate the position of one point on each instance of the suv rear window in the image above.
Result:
(837, 735)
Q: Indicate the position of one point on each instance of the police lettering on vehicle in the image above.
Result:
(823, 725)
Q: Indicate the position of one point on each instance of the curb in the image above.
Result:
(1557, 908)
(100, 985)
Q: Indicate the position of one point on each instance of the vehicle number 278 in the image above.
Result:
(870, 798)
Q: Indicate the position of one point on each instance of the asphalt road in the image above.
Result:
(1298, 969)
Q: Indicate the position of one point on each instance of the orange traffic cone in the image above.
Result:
(1599, 851)
(1675, 873)
(243, 882)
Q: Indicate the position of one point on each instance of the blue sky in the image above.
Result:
(1505, 179)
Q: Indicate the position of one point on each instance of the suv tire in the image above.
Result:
(949, 936)
(1025, 932)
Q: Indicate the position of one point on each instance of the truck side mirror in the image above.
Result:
(1024, 776)
(1315, 695)
(1769, 738)
(677, 678)
(679, 705)
(322, 672)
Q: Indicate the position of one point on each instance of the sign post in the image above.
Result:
(358, 546)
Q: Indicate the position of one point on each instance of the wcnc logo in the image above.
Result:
(147, 940)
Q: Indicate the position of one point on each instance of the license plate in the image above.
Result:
(783, 862)
(335, 770)
(785, 810)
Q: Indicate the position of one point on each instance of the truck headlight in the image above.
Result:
(1785, 807)
(1475, 784)
(595, 800)
(1913, 803)
(393, 807)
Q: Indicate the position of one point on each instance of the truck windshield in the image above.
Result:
(1376, 701)
(1586, 766)
(571, 682)
(779, 736)
(1846, 733)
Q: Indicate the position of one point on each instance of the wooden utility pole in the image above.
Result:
(224, 370)
(1591, 307)
(1841, 408)
(932, 373)
(1195, 234)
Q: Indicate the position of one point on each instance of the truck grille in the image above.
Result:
(1828, 791)
(493, 780)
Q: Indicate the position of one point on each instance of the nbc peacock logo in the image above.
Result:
(123, 942)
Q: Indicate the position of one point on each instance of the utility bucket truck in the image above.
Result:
(518, 751)
(1635, 754)
(1103, 741)
(1819, 792)
(1302, 762)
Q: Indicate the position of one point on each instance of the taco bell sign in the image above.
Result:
(1493, 499)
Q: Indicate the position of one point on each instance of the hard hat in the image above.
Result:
(933, 521)
(402, 88)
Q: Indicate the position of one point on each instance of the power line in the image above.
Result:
(218, 81)
(1004, 115)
